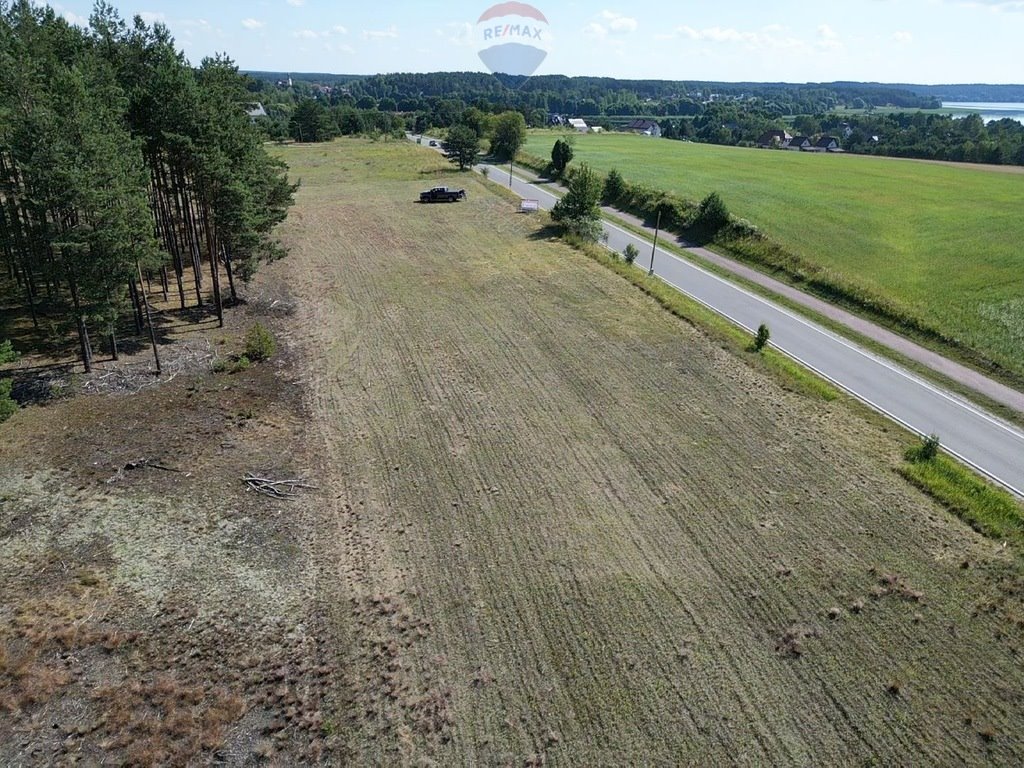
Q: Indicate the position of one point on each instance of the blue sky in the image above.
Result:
(920, 41)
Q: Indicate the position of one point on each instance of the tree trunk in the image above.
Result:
(149, 322)
(133, 292)
(83, 332)
(164, 193)
(211, 249)
(192, 229)
(231, 275)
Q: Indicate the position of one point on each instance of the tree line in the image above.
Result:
(121, 164)
(735, 114)
(437, 99)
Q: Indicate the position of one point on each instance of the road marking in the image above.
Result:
(955, 401)
(900, 371)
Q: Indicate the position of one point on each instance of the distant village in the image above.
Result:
(774, 139)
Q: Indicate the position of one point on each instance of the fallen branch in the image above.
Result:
(280, 489)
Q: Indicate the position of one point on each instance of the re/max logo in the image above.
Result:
(510, 30)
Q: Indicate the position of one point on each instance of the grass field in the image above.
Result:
(560, 526)
(939, 241)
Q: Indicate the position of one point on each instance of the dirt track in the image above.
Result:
(564, 526)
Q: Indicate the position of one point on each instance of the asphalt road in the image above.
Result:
(987, 443)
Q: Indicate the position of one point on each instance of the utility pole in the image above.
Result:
(510, 173)
(654, 248)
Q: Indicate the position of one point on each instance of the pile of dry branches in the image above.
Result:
(280, 489)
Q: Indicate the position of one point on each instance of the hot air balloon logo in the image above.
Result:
(514, 38)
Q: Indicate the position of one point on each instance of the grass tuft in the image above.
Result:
(989, 510)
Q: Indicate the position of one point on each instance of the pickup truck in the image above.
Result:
(442, 195)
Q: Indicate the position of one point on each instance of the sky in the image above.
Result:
(906, 41)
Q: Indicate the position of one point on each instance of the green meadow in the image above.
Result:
(944, 243)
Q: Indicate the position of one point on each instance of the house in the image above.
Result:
(554, 119)
(798, 143)
(774, 138)
(578, 125)
(827, 144)
(256, 110)
(645, 127)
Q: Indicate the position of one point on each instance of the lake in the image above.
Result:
(989, 111)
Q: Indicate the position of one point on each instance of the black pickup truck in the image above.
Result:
(442, 195)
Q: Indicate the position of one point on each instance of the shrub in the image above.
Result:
(927, 450)
(259, 344)
(761, 337)
(584, 227)
(630, 253)
(7, 404)
(712, 215)
(614, 187)
(232, 364)
(561, 156)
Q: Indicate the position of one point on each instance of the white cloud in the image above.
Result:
(306, 34)
(380, 34)
(610, 23)
(151, 17)
(296, 3)
(773, 37)
(996, 6)
(827, 38)
(253, 24)
(457, 33)
(74, 18)
(70, 16)
(338, 29)
(903, 37)
(338, 48)
(619, 23)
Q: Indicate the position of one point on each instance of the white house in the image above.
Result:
(578, 125)
(797, 143)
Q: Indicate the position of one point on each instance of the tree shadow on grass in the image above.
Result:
(547, 232)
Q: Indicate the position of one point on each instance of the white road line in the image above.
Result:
(805, 322)
(955, 401)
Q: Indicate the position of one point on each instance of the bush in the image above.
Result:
(761, 337)
(8, 406)
(926, 450)
(584, 227)
(614, 187)
(712, 216)
(259, 344)
(232, 365)
(561, 156)
(630, 253)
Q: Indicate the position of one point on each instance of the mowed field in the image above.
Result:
(939, 240)
(563, 527)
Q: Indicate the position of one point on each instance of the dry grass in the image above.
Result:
(153, 612)
(558, 509)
